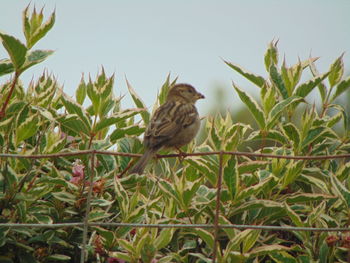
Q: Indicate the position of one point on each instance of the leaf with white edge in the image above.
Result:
(283, 257)
(80, 93)
(58, 257)
(293, 216)
(278, 109)
(341, 88)
(292, 132)
(257, 80)
(304, 89)
(271, 55)
(74, 108)
(272, 135)
(251, 166)
(340, 189)
(206, 236)
(122, 197)
(35, 57)
(267, 249)
(312, 135)
(253, 107)
(278, 81)
(15, 48)
(139, 103)
(240, 237)
(256, 204)
(306, 197)
(34, 30)
(6, 67)
(164, 238)
(115, 118)
(253, 190)
(65, 197)
(336, 71)
(119, 133)
(321, 87)
(73, 123)
(27, 129)
(231, 176)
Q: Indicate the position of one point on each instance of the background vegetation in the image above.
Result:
(42, 119)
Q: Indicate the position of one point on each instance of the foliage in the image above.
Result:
(42, 119)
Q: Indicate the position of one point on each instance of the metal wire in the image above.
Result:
(184, 226)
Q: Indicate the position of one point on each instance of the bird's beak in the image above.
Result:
(200, 96)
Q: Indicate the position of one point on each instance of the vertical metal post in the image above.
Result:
(217, 209)
(83, 255)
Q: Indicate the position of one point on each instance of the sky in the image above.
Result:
(146, 40)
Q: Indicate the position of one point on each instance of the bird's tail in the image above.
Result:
(142, 162)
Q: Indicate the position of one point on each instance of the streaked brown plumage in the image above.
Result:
(174, 124)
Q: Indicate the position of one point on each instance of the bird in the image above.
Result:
(174, 124)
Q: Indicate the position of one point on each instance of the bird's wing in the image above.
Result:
(168, 120)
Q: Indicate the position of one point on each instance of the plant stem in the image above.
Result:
(13, 85)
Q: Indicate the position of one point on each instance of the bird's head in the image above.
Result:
(184, 93)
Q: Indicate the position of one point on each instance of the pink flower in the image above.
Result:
(78, 169)
(76, 179)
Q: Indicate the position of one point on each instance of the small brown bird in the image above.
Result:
(174, 124)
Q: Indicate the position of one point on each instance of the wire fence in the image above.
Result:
(216, 226)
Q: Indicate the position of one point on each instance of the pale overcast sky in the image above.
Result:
(145, 40)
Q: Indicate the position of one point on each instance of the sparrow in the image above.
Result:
(173, 125)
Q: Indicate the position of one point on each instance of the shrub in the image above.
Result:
(41, 119)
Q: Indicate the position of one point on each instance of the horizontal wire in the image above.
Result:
(203, 226)
(247, 154)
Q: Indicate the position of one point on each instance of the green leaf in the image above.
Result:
(58, 257)
(253, 190)
(293, 216)
(80, 93)
(278, 109)
(272, 135)
(75, 108)
(341, 88)
(271, 55)
(306, 197)
(336, 71)
(33, 28)
(73, 123)
(312, 135)
(15, 48)
(257, 80)
(292, 132)
(27, 129)
(165, 89)
(278, 81)
(139, 103)
(231, 176)
(340, 189)
(253, 107)
(304, 89)
(164, 238)
(65, 197)
(283, 257)
(118, 133)
(6, 67)
(206, 236)
(251, 166)
(35, 57)
(321, 87)
(267, 249)
(115, 118)
(122, 197)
